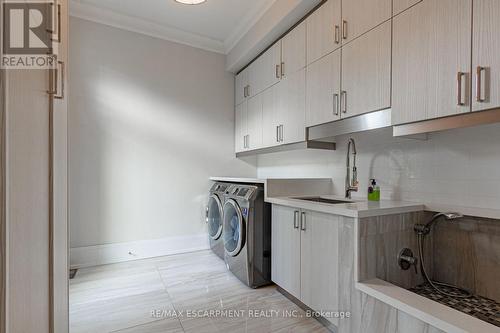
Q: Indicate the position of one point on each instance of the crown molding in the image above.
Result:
(247, 22)
(125, 22)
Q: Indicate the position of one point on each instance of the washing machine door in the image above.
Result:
(214, 217)
(234, 228)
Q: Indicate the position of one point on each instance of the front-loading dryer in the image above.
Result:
(214, 217)
(247, 234)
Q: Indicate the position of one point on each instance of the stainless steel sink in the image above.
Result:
(323, 200)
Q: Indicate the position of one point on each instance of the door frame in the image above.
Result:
(3, 217)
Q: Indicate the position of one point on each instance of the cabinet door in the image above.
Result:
(431, 45)
(323, 90)
(254, 138)
(360, 16)
(399, 6)
(486, 55)
(265, 70)
(292, 104)
(319, 261)
(323, 30)
(285, 254)
(241, 83)
(366, 72)
(293, 46)
(241, 126)
(270, 117)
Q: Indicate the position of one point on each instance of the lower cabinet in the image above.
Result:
(305, 256)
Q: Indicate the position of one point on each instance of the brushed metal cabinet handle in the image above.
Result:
(343, 102)
(277, 71)
(479, 84)
(344, 29)
(59, 25)
(63, 75)
(337, 34)
(296, 219)
(303, 222)
(278, 133)
(460, 100)
(336, 104)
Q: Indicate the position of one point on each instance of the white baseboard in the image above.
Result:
(119, 252)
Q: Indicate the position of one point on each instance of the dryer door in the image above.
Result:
(214, 217)
(234, 228)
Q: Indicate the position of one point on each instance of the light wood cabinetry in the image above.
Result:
(485, 55)
(285, 254)
(292, 105)
(360, 16)
(305, 256)
(366, 72)
(399, 6)
(241, 127)
(323, 30)
(34, 204)
(254, 129)
(271, 116)
(241, 87)
(323, 90)
(319, 278)
(265, 70)
(293, 47)
(431, 52)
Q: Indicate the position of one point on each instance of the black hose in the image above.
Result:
(434, 284)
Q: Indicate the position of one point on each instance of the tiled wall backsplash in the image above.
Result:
(457, 167)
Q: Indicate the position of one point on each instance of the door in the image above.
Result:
(431, 51)
(485, 55)
(360, 16)
(233, 228)
(254, 132)
(265, 70)
(285, 254)
(366, 72)
(319, 261)
(323, 30)
(323, 90)
(241, 87)
(292, 107)
(241, 127)
(270, 117)
(214, 217)
(293, 46)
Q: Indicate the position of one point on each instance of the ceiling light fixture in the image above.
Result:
(190, 2)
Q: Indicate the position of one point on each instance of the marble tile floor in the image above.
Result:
(191, 292)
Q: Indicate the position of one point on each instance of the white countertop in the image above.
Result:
(356, 208)
(238, 180)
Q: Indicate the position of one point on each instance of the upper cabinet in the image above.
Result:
(401, 5)
(431, 60)
(323, 30)
(293, 51)
(323, 90)
(292, 107)
(366, 73)
(265, 70)
(360, 16)
(485, 55)
(241, 88)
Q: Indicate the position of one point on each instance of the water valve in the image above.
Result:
(406, 260)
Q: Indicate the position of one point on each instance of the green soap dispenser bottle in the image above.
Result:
(373, 191)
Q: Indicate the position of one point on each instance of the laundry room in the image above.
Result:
(253, 166)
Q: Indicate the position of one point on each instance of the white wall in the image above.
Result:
(150, 121)
(456, 167)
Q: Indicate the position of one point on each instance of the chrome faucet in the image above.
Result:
(351, 185)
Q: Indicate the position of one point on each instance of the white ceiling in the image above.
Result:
(216, 25)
